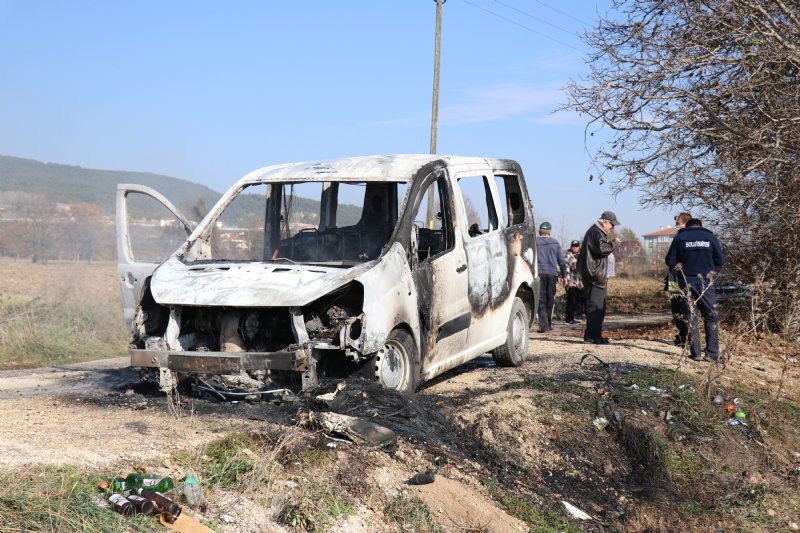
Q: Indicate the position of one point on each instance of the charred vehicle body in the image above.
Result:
(397, 268)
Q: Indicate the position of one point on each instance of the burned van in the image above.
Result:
(396, 268)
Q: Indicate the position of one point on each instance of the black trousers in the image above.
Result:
(677, 304)
(574, 303)
(548, 283)
(595, 311)
(703, 301)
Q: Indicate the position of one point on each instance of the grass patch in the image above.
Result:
(520, 507)
(221, 463)
(59, 326)
(411, 514)
(564, 396)
(317, 507)
(60, 499)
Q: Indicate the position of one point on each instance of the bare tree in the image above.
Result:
(697, 104)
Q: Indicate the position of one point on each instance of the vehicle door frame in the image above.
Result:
(490, 277)
(134, 273)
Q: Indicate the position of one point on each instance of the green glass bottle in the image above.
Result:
(148, 481)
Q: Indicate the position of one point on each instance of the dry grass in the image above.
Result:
(58, 313)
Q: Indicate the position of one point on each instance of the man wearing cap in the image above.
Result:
(551, 265)
(573, 285)
(695, 253)
(593, 267)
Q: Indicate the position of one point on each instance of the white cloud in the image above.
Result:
(560, 118)
(500, 102)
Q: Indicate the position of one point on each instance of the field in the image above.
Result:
(507, 446)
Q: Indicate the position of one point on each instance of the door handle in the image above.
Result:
(461, 269)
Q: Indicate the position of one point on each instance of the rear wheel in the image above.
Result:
(397, 362)
(515, 349)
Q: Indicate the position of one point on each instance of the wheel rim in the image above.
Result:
(519, 332)
(391, 365)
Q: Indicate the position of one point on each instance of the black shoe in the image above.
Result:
(545, 330)
(697, 357)
(714, 358)
(679, 341)
(601, 340)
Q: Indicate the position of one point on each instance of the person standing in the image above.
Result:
(696, 255)
(676, 297)
(551, 265)
(593, 268)
(573, 285)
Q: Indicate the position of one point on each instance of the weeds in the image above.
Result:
(60, 499)
(70, 319)
(411, 514)
(520, 507)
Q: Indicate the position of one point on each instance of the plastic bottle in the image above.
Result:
(193, 491)
(121, 504)
(148, 481)
(142, 505)
(163, 503)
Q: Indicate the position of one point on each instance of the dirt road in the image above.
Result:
(474, 420)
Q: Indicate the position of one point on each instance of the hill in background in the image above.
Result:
(78, 185)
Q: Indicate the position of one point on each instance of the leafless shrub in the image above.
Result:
(698, 105)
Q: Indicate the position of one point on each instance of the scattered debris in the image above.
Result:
(658, 390)
(600, 423)
(355, 429)
(575, 512)
(422, 478)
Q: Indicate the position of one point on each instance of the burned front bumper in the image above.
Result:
(294, 358)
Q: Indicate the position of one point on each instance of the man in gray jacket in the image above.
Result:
(552, 266)
(593, 268)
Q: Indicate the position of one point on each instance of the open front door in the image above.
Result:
(149, 229)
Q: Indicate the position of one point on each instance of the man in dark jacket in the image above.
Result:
(551, 265)
(593, 268)
(696, 255)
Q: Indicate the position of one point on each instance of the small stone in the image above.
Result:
(226, 518)
(793, 526)
(399, 455)
(771, 512)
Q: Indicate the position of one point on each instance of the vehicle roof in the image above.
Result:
(400, 167)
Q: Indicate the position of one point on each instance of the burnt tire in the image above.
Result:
(514, 351)
(396, 364)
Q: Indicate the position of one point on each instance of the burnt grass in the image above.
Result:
(666, 460)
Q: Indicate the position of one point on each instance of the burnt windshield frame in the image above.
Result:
(328, 229)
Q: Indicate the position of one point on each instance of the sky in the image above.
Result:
(207, 91)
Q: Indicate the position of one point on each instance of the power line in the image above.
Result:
(562, 12)
(535, 17)
(514, 22)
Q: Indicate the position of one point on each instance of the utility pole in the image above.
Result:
(435, 106)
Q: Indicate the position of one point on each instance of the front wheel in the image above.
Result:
(396, 363)
(515, 349)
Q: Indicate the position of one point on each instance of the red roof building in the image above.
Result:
(657, 243)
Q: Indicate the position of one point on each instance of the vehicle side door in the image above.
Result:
(489, 276)
(440, 274)
(149, 229)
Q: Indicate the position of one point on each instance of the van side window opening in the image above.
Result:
(478, 204)
(510, 192)
(435, 229)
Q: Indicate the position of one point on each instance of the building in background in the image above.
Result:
(656, 244)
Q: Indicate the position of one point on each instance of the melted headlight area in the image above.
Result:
(336, 320)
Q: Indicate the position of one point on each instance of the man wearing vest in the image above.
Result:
(696, 255)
